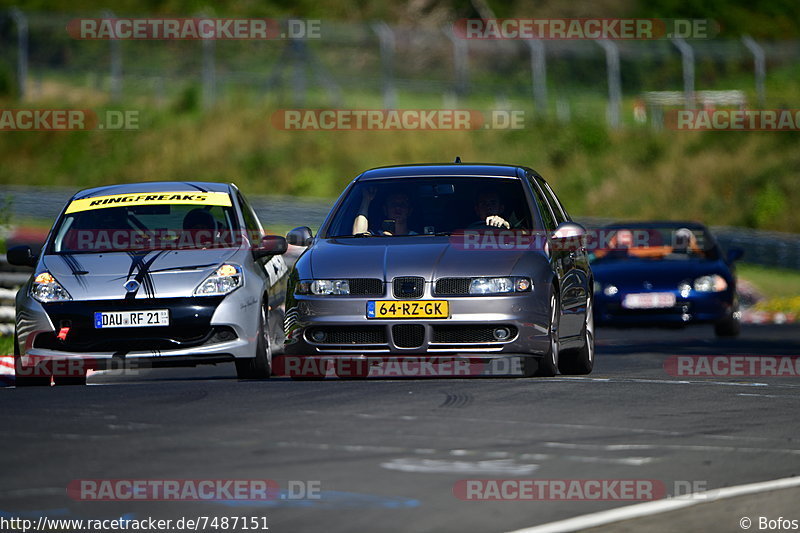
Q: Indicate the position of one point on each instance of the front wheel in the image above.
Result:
(547, 365)
(580, 361)
(258, 367)
(730, 326)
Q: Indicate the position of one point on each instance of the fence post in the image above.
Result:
(387, 45)
(687, 57)
(22, 50)
(460, 61)
(614, 82)
(539, 73)
(116, 63)
(759, 65)
(209, 73)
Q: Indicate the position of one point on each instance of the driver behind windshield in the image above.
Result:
(396, 210)
(489, 209)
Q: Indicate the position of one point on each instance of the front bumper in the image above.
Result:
(201, 330)
(696, 308)
(469, 330)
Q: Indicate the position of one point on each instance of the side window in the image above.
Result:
(557, 205)
(544, 209)
(251, 221)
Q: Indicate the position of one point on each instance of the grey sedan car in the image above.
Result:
(448, 261)
(150, 274)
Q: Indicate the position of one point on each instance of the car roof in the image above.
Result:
(154, 186)
(442, 169)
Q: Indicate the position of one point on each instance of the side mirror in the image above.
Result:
(569, 236)
(301, 236)
(21, 256)
(734, 254)
(270, 245)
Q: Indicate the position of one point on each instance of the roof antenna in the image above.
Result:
(458, 160)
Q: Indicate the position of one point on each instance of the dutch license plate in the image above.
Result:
(405, 309)
(131, 319)
(649, 300)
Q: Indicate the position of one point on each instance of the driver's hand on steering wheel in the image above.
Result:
(496, 221)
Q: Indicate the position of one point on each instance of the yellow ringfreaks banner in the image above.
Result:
(161, 198)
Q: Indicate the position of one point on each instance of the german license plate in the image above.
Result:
(131, 319)
(406, 309)
(649, 300)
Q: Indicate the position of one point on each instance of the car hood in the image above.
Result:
(161, 273)
(387, 258)
(633, 273)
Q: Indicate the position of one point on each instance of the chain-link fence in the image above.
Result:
(351, 64)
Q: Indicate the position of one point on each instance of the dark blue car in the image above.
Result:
(664, 274)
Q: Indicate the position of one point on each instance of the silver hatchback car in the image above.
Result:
(453, 261)
(152, 274)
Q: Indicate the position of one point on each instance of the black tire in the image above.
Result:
(580, 361)
(258, 367)
(730, 326)
(22, 375)
(547, 365)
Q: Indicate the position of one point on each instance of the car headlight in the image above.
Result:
(685, 289)
(323, 287)
(499, 285)
(610, 290)
(46, 289)
(225, 279)
(713, 283)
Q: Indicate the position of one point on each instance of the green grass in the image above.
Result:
(771, 282)
(6, 345)
(780, 287)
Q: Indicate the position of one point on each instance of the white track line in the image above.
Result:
(659, 506)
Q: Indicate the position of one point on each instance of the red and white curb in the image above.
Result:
(750, 316)
(6, 370)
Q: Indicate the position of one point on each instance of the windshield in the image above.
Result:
(431, 206)
(148, 222)
(653, 243)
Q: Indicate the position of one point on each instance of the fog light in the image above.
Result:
(501, 334)
(318, 335)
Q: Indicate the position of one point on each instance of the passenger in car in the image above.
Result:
(396, 209)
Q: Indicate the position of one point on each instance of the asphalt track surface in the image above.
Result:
(387, 453)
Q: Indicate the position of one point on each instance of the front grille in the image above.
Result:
(408, 335)
(408, 287)
(452, 286)
(349, 335)
(469, 334)
(366, 286)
